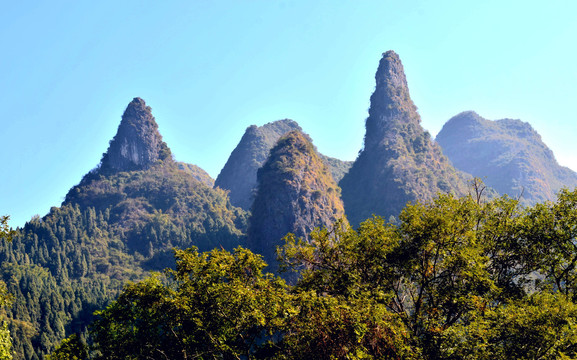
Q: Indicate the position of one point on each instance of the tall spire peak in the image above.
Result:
(391, 104)
(390, 71)
(399, 163)
(137, 144)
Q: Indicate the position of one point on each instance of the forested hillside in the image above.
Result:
(123, 219)
(455, 278)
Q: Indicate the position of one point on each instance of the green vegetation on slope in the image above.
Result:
(63, 267)
(123, 219)
(296, 193)
(453, 279)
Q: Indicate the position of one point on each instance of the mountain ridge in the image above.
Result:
(239, 174)
(126, 215)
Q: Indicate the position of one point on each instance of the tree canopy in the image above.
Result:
(454, 278)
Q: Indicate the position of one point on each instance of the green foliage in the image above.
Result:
(6, 231)
(551, 229)
(5, 343)
(468, 280)
(455, 278)
(216, 305)
(71, 348)
(110, 230)
(540, 326)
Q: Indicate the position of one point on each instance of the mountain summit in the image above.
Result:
(391, 104)
(137, 144)
(399, 162)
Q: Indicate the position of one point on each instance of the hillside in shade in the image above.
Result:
(239, 174)
(296, 193)
(399, 162)
(507, 154)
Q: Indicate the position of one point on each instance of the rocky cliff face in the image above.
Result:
(507, 154)
(137, 144)
(399, 162)
(296, 193)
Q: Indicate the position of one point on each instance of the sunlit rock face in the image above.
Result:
(296, 194)
(137, 144)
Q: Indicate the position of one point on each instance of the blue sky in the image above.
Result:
(209, 69)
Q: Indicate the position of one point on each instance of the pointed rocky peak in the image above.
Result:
(238, 175)
(399, 162)
(392, 109)
(296, 193)
(390, 73)
(137, 144)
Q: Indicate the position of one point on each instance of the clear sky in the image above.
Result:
(209, 69)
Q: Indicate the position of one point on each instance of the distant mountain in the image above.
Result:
(122, 219)
(296, 193)
(239, 174)
(197, 173)
(337, 167)
(507, 154)
(399, 162)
